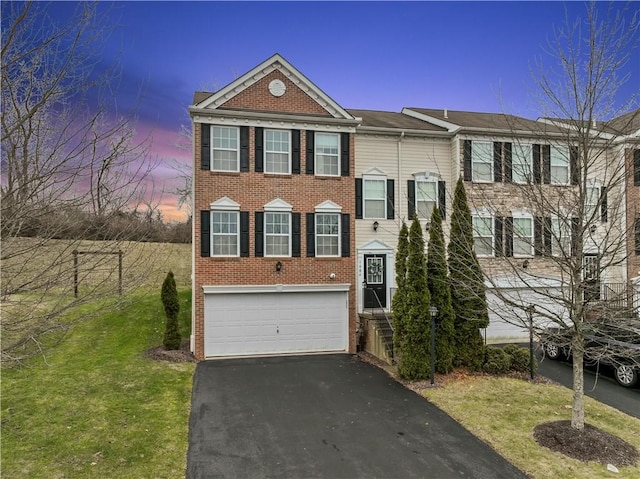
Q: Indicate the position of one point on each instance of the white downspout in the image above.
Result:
(399, 203)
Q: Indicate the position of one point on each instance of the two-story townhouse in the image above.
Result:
(403, 165)
(273, 254)
(521, 176)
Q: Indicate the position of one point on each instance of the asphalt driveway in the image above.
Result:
(330, 416)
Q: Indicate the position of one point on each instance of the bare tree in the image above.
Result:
(568, 175)
(68, 159)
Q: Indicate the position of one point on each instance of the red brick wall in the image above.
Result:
(258, 97)
(252, 191)
(633, 211)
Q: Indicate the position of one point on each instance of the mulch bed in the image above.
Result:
(182, 355)
(590, 444)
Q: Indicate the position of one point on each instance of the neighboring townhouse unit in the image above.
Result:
(298, 204)
(274, 261)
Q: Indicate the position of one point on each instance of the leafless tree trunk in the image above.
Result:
(66, 156)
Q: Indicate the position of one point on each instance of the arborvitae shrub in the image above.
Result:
(171, 303)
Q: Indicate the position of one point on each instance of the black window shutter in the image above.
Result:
(205, 151)
(390, 200)
(497, 161)
(508, 162)
(411, 202)
(573, 165)
(311, 151)
(466, 159)
(259, 234)
(205, 233)
(538, 237)
(575, 232)
(498, 243)
(636, 167)
(259, 150)
(311, 235)
(508, 233)
(546, 164)
(546, 231)
(442, 198)
(603, 204)
(345, 143)
(346, 235)
(295, 152)
(637, 235)
(295, 235)
(244, 148)
(358, 198)
(536, 164)
(244, 234)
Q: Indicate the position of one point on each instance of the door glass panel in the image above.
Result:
(374, 270)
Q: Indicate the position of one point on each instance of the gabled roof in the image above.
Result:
(470, 120)
(203, 100)
(627, 124)
(388, 119)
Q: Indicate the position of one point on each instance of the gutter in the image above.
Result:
(206, 115)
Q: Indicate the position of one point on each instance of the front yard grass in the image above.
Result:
(503, 412)
(96, 406)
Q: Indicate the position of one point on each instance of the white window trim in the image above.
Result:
(317, 235)
(485, 215)
(237, 235)
(490, 161)
(265, 152)
(597, 185)
(556, 250)
(374, 177)
(426, 179)
(315, 154)
(213, 149)
(328, 208)
(529, 161)
(566, 152)
(277, 206)
(524, 215)
(224, 205)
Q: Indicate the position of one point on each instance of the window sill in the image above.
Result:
(222, 258)
(225, 173)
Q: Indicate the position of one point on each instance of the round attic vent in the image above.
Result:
(277, 88)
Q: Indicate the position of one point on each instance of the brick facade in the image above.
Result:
(633, 213)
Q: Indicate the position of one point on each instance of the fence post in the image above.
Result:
(75, 273)
(120, 272)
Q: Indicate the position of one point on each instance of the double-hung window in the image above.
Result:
(277, 151)
(521, 163)
(523, 235)
(483, 235)
(224, 233)
(277, 233)
(327, 234)
(482, 161)
(327, 146)
(375, 198)
(225, 142)
(426, 198)
(559, 165)
(592, 198)
(560, 237)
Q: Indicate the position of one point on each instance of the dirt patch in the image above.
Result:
(591, 444)
(182, 355)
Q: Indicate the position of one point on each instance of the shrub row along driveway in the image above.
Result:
(324, 416)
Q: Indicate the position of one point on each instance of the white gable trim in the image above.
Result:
(328, 207)
(374, 245)
(225, 204)
(276, 62)
(374, 172)
(278, 205)
(451, 127)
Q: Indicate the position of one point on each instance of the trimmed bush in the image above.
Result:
(171, 303)
(497, 361)
(520, 358)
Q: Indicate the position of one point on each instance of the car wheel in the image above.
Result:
(626, 375)
(553, 351)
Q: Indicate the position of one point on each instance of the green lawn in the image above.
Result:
(503, 412)
(96, 407)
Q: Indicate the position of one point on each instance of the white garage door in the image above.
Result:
(271, 323)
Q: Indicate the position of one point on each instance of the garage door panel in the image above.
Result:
(275, 323)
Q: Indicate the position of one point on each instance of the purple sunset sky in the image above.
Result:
(367, 55)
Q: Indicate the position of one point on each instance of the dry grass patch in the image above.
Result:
(504, 412)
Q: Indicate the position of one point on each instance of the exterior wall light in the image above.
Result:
(278, 267)
(375, 225)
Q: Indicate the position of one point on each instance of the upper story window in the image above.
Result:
(482, 161)
(521, 163)
(225, 142)
(560, 237)
(483, 235)
(277, 233)
(277, 151)
(375, 198)
(327, 154)
(559, 160)
(224, 233)
(426, 197)
(327, 234)
(523, 235)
